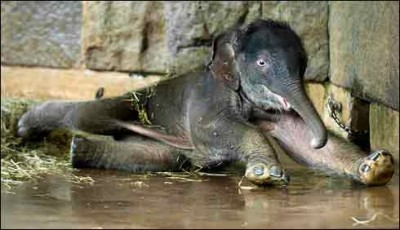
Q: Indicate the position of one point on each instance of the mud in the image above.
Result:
(122, 200)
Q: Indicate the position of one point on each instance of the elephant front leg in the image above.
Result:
(262, 166)
(225, 141)
(337, 156)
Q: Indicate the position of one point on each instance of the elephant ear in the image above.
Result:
(223, 65)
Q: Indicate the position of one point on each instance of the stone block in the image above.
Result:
(384, 128)
(125, 36)
(317, 94)
(67, 84)
(41, 33)
(364, 49)
(191, 27)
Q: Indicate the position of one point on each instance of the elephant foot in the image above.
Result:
(80, 151)
(27, 129)
(377, 168)
(263, 175)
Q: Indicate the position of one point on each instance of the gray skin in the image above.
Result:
(252, 89)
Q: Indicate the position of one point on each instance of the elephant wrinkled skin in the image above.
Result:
(252, 88)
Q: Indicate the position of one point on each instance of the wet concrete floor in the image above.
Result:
(121, 200)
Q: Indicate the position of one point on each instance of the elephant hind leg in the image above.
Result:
(377, 168)
(336, 157)
(90, 116)
(135, 154)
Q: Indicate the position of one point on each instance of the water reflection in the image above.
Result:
(126, 201)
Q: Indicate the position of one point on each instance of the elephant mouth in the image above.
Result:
(284, 103)
(297, 101)
(278, 101)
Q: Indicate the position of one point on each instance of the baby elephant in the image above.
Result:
(252, 89)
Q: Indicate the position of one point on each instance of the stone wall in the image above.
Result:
(41, 33)
(175, 37)
(146, 37)
(353, 47)
(364, 49)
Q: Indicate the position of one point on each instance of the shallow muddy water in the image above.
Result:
(121, 200)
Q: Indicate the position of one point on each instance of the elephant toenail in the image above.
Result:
(285, 179)
(22, 132)
(374, 157)
(258, 170)
(365, 168)
(275, 171)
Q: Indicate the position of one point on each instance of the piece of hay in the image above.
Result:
(139, 107)
(366, 222)
(184, 179)
(245, 187)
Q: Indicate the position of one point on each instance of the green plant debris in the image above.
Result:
(151, 91)
(139, 107)
(20, 160)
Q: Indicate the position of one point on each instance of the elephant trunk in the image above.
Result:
(303, 106)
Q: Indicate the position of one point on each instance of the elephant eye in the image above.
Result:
(261, 62)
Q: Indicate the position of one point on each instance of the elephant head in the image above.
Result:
(265, 61)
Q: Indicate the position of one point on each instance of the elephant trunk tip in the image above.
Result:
(319, 142)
